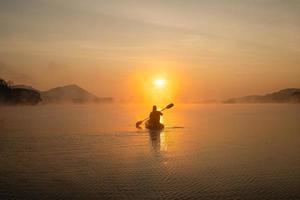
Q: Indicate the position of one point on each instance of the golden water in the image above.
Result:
(95, 152)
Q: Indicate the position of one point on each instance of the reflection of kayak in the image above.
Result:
(150, 126)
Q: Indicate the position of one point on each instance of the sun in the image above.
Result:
(159, 83)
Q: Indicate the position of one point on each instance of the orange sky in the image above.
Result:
(204, 49)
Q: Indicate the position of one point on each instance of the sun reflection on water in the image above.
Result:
(163, 142)
(158, 141)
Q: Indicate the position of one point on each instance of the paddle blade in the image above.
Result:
(170, 106)
(138, 124)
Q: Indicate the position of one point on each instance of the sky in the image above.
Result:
(204, 49)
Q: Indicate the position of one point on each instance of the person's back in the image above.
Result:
(155, 116)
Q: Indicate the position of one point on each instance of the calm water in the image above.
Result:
(95, 152)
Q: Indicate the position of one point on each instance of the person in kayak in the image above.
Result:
(154, 117)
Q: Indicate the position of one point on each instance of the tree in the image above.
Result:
(4, 91)
(10, 83)
(3, 83)
(9, 95)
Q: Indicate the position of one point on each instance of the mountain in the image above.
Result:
(289, 95)
(71, 94)
(28, 87)
(10, 95)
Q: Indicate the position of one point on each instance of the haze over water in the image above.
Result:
(95, 151)
(154, 52)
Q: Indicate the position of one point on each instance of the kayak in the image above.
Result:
(150, 126)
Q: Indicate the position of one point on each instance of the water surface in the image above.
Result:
(95, 152)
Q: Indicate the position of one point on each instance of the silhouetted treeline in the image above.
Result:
(10, 95)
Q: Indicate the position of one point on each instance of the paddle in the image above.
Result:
(139, 123)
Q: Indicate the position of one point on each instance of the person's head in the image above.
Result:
(154, 108)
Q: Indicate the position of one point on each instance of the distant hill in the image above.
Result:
(10, 95)
(23, 87)
(72, 94)
(290, 95)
